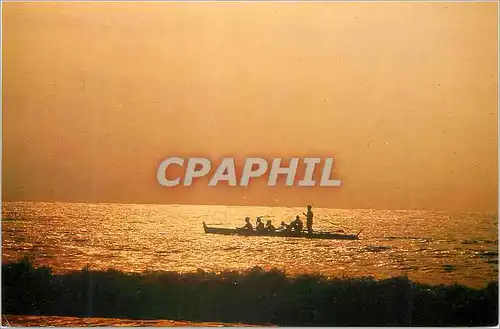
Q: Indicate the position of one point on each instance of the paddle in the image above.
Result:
(335, 224)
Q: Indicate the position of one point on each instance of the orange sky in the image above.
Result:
(402, 95)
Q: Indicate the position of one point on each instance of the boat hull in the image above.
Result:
(314, 235)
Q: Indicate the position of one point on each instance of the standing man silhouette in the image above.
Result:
(309, 221)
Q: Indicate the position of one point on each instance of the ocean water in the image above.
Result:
(427, 246)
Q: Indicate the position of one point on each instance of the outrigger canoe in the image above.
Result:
(314, 235)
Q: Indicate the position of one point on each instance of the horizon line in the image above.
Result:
(254, 205)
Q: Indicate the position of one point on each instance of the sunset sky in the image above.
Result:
(402, 95)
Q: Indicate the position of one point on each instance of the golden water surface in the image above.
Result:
(429, 247)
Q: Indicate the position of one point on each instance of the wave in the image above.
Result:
(253, 296)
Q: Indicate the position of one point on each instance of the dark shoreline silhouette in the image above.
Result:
(254, 296)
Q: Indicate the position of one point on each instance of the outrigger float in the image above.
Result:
(314, 235)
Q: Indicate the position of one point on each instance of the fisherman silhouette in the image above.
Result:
(270, 227)
(248, 226)
(297, 224)
(285, 227)
(309, 219)
(259, 226)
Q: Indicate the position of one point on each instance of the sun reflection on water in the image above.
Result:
(430, 247)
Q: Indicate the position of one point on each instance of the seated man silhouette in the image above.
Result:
(270, 227)
(297, 224)
(248, 226)
(259, 226)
